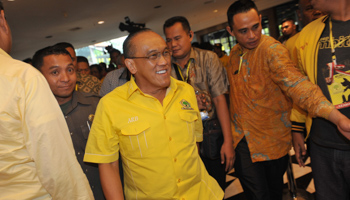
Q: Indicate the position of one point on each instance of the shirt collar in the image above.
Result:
(78, 98)
(133, 86)
(191, 59)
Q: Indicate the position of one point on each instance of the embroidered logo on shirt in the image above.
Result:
(185, 105)
(133, 119)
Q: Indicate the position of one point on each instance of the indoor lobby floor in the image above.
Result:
(303, 177)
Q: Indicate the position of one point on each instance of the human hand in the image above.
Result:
(344, 127)
(201, 101)
(341, 121)
(228, 155)
(299, 148)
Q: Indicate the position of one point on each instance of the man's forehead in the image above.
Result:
(149, 42)
(246, 19)
(57, 60)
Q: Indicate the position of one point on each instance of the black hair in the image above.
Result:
(128, 46)
(240, 6)
(1, 6)
(288, 19)
(171, 21)
(97, 66)
(82, 59)
(38, 58)
(113, 51)
(64, 45)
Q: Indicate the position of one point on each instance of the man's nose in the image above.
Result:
(251, 34)
(64, 77)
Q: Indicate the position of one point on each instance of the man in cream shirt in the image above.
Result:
(37, 158)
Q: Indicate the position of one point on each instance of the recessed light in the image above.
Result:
(215, 11)
(101, 22)
(10, 0)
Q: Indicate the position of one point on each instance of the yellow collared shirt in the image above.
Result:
(157, 143)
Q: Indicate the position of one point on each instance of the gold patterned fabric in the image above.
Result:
(88, 83)
(261, 96)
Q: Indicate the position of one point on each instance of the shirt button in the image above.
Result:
(175, 159)
(170, 138)
(164, 117)
(178, 180)
(92, 187)
(183, 199)
(65, 117)
(86, 170)
(71, 133)
(78, 153)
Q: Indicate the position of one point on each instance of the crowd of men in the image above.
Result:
(159, 125)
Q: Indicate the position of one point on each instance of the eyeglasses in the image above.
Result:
(156, 55)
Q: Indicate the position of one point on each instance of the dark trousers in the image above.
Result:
(260, 180)
(213, 163)
(331, 172)
(216, 170)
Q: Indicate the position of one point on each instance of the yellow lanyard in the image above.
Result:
(180, 71)
(240, 61)
(334, 58)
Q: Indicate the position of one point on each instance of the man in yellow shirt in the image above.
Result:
(154, 121)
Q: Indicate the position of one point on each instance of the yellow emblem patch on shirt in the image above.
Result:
(185, 105)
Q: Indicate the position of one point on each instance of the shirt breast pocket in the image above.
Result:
(136, 140)
(189, 117)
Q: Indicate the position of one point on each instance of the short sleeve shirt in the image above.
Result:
(157, 143)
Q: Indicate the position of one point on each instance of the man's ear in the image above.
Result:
(228, 28)
(260, 18)
(3, 23)
(130, 64)
(191, 35)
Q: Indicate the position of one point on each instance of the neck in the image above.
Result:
(342, 11)
(61, 100)
(184, 60)
(158, 94)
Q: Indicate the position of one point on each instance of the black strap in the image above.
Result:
(179, 77)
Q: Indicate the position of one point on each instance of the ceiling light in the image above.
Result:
(10, 0)
(101, 22)
(215, 11)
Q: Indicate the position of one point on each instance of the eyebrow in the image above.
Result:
(56, 66)
(53, 67)
(154, 50)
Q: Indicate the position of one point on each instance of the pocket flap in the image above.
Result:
(135, 128)
(189, 115)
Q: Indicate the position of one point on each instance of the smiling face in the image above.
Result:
(150, 75)
(59, 73)
(247, 28)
